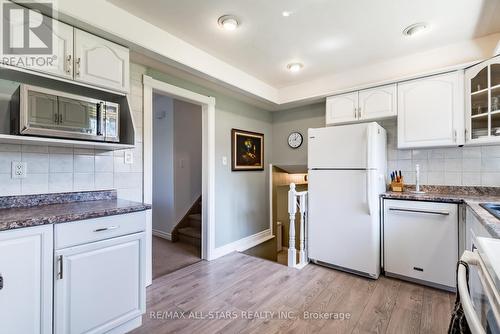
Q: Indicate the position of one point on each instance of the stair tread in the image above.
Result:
(195, 216)
(190, 232)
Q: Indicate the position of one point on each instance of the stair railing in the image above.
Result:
(297, 200)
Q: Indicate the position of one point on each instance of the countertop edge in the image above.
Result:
(66, 218)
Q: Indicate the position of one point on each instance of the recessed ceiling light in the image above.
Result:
(228, 22)
(415, 29)
(286, 13)
(294, 67)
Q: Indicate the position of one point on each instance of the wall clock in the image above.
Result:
(295, 139)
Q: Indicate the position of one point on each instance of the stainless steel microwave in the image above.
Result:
(51, 113)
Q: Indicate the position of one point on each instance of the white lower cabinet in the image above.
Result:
(26, 280)
(99, 285)
(421, 241)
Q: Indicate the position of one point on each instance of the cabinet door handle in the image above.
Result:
(430, 212)
(359, 113)
(77, 67)
(61, 267)
(455, 136)
(355, 109)
(106, 228)
(68, 64)
(60, 118)
(1, 282)
(56, 118)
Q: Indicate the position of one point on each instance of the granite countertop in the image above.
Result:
(34, 210)
(471, 196)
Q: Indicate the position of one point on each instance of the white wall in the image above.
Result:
(61, 169)
(187, 156)
(163, 166)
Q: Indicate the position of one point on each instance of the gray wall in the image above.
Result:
(298, 119)
(241, 198)
(163, 168)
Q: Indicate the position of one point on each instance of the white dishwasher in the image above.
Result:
(421, 241)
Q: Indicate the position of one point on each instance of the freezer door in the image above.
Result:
(344, 228)
(339, 147)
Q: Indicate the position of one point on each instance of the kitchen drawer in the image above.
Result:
(421, 241)
(90, 230)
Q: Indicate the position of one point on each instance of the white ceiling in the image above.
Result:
(328, 36)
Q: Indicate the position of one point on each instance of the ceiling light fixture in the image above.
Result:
(294, 67)
(228, 22)
(415, 29)
(286, 13)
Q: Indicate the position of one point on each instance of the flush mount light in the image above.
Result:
(228, 22)
(286, 13)
(415, 29)
(294, 67)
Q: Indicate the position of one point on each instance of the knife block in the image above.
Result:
(397, 186)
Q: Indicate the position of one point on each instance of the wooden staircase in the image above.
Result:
(189, 228)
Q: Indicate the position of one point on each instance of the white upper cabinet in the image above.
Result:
(100, 62)
(342, 108)
(377, 103)
(26, 280)
(482, 95)
(62, 48)
(365, 105)
(52, 56)
(431, 111)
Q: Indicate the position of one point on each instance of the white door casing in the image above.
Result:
(207, 104)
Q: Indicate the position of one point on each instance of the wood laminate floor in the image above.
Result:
(251, 295)
(171, 256)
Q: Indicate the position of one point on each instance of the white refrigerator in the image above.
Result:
(347, 168)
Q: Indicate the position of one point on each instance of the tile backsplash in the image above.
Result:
(455, 166)
(61, 169)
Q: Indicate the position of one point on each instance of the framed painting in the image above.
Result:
(247, 150)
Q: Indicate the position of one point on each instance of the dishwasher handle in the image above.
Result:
(473, 320)
(429, 212)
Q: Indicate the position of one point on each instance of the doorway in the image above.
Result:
(177, 170)
(206, 107)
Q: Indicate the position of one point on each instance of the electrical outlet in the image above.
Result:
(129, 157)
(19, 169)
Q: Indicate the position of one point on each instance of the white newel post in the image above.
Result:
(302, 209)
(292, 210)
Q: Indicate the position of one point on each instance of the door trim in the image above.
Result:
(207, 104)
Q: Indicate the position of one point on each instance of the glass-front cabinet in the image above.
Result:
(483, 102)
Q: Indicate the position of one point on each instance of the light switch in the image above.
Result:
(224, 160)
(129, 157)
(19, 169)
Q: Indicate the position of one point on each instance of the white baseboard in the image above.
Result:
(243, 244)
(163, 235)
